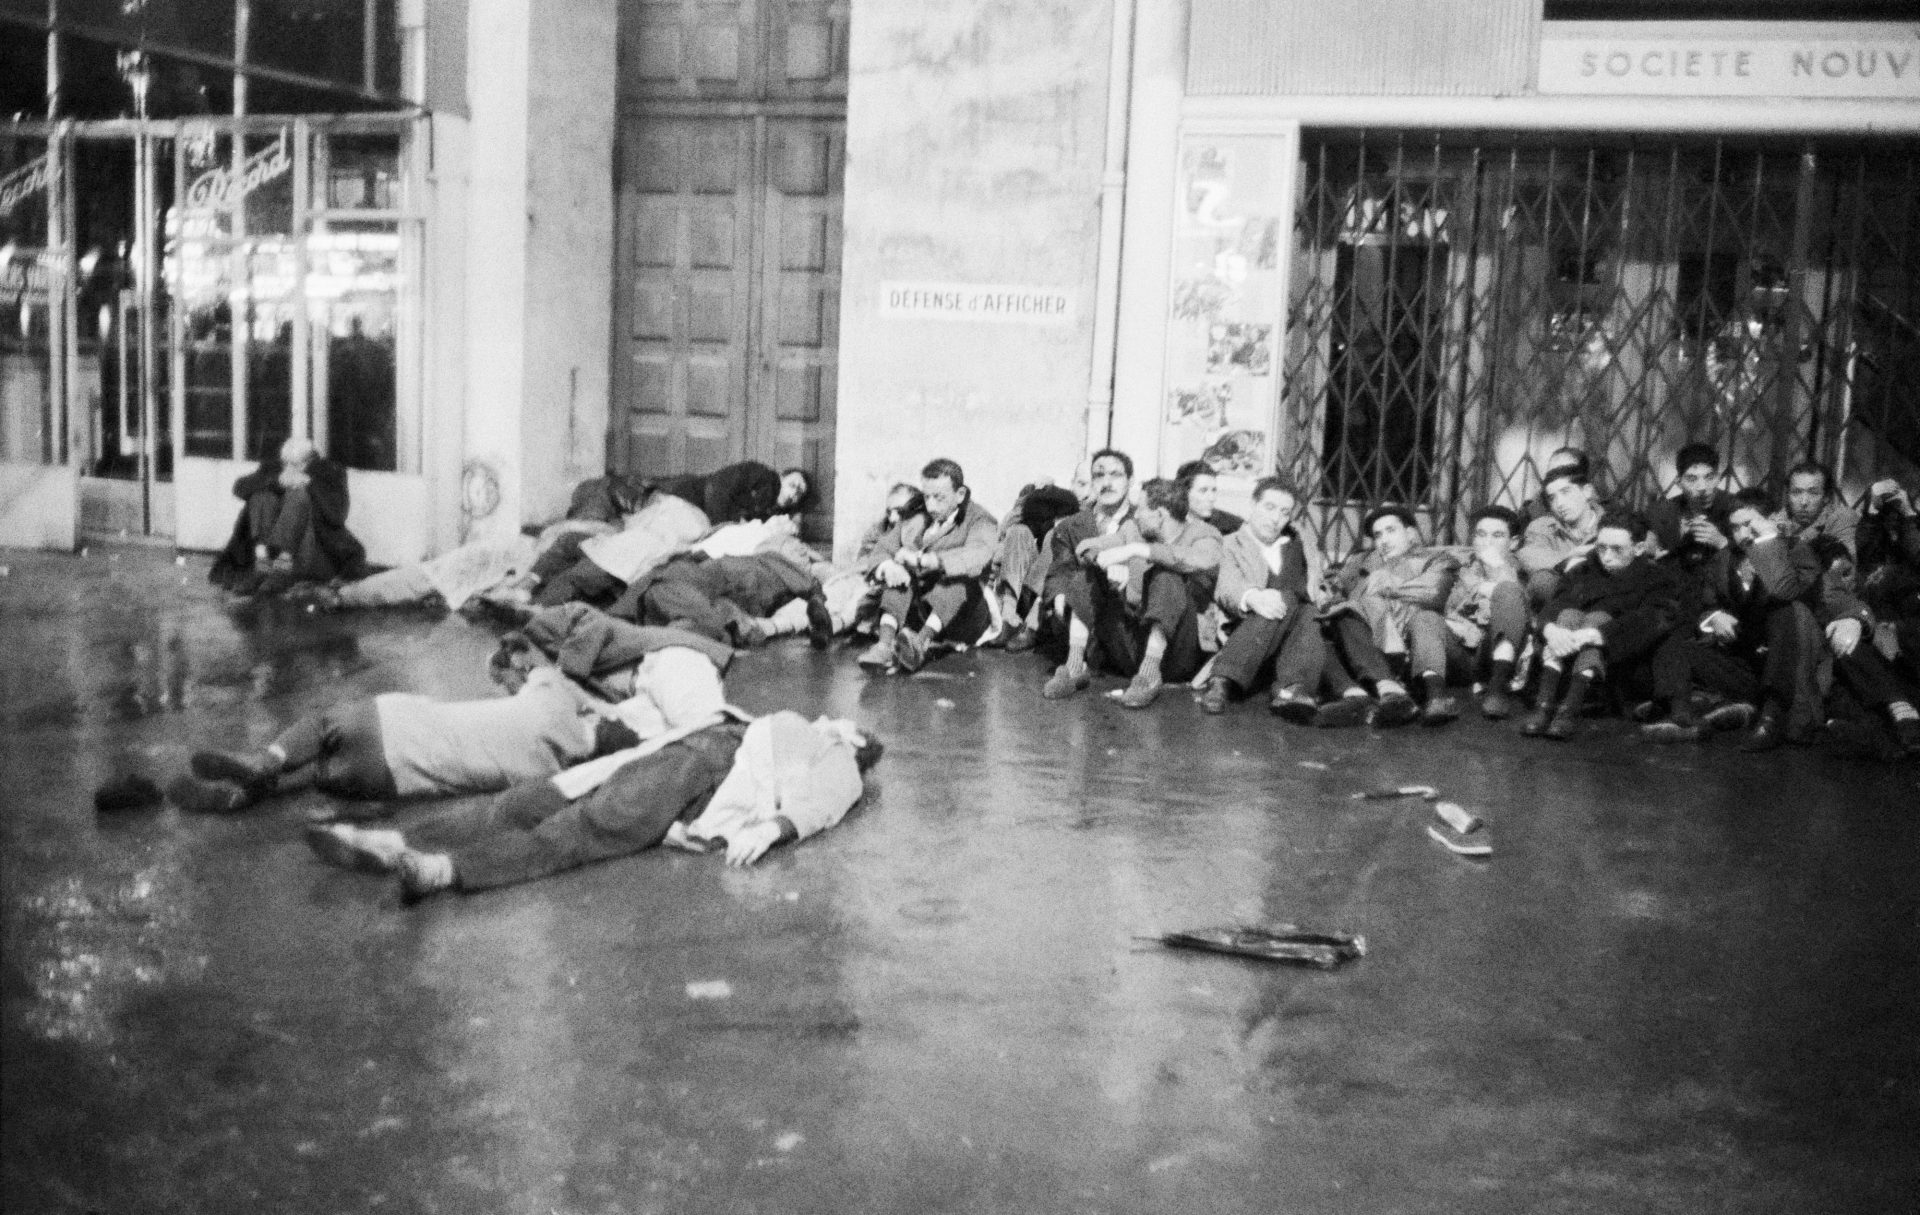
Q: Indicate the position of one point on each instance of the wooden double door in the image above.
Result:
(727, 284)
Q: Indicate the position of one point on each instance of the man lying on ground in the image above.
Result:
(717, 782)
(401, 745)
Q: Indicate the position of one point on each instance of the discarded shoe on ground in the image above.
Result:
(1286, 943)
(1460, 831)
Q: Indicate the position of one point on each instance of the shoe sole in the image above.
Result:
(344, 854)
(196, 797)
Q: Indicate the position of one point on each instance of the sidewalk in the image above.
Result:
(1686, 981)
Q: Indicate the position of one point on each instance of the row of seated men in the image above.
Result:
(1707, 611)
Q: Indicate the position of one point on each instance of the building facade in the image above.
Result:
(1396, 250)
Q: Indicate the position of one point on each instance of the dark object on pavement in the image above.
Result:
(124, 793)
(1282, 943)
(1380, 795)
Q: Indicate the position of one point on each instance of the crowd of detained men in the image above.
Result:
(1702, 612)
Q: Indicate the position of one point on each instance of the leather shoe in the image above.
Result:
(1142, 692)
(819, 623)
(909, 651)
(1065, 682)
(1440, 710)
(1537, 722)
(1023, 639)
(1767, 736)
(1736, 715)
(1497, 705)
(1562, 727)
(878, 656)
(1291, 704)
(1341, 712)
(1214, 699)
(1395, 709)
(1666, 733)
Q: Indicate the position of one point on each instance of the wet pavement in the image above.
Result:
(1687, 981)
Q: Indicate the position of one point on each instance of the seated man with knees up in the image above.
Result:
(1135, 601)
(1267, 577)
(1390, 601)
(1613, 608)
(293, 527)
(1813, 509)
(929, 571)
(1693, 524)
(1018, 575)
(1864, 678)
(1486, 614)
(715, 782)
(1758, 638)
(1889, 573)
(1563, 533)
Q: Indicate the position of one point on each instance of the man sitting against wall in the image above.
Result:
(293, 527)
(1566, 531)
(1486, 614)
(1388, 609)
(1757, 637)
(1614, 608)
(1813, 509)
(1267, 577)
(1136, 596)
(929, 570)
(1693, 524)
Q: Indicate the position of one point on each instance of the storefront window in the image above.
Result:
(26, 280)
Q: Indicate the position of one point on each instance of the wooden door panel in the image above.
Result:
(689, 48)
(686, 289)
(800, 298)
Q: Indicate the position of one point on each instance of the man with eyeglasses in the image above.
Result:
(1613, 609)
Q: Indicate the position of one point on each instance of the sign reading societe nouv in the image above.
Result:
(976, 302)
(1731, 59)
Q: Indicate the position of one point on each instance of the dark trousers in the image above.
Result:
(1354, 646)
(713, 598)
(960, 604)
(1870, 676)
(1291, 647)
(1118, 630)
(581, 582)
(282, 519)
(344, 743)
(1507, 620)
(532, 831)
(1771, 660)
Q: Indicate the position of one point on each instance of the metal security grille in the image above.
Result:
(1462, 308)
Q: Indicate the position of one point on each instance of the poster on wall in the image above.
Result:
(1232, 226)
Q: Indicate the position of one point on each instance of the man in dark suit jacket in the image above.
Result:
(293, 527)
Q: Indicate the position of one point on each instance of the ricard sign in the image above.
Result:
(1730, 59)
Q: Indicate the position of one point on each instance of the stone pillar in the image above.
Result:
(538, 255)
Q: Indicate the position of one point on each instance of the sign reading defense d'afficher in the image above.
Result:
(1731, 59)
(977, 302)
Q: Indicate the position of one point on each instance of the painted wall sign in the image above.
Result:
(220, 189)
(977, 302)
(23, 183)
(1730, 59)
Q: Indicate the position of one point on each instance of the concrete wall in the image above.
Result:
(538, 253)
(974, 153)
(570, 242)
